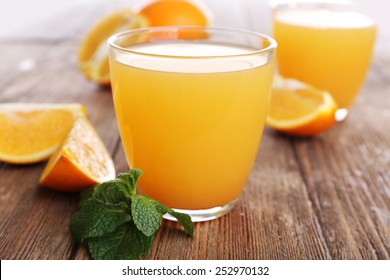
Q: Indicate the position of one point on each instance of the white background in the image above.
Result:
(18, 15)
(278, 270)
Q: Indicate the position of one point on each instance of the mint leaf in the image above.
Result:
(131, 179)
(116, 222)
(183, 219)
(85, 195)
(114, 191)
(145, 215)
(125, 243)
(97, 218)
(120, 189)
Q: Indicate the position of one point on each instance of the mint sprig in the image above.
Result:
(118, 223)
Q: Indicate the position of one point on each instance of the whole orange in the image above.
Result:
(173, 13)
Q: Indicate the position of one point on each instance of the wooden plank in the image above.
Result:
(34, 221)
(316, 198)
(348, 179)
(15, 60)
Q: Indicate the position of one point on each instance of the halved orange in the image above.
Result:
(81, 161)
(300, 109)
(174, 13)
(93, 52)
(31, 132)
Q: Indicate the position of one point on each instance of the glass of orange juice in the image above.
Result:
(325, 44)
(191, 104)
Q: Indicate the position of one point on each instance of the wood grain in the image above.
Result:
(325, 197)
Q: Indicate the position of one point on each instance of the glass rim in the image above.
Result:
(111, 41)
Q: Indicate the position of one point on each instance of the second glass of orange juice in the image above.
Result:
(191, 106)
(327, 45)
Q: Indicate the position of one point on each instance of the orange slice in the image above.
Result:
(173, 13)
(93, 53)
(31, 132)
(80, 162)
(300, 109)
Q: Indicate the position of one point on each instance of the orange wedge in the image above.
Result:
(32, 132)
(299, 109)
(93, 52)
(80, 162)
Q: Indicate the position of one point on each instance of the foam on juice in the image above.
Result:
(323, 18)
(232, 58)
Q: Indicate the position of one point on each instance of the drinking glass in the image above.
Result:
(325, 44)
(191, 104)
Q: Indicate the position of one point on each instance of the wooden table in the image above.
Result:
(326, 197)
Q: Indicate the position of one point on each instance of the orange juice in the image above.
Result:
(329, 48)
(192, 125)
